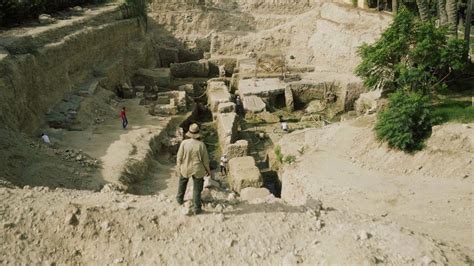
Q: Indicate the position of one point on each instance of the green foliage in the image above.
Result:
(278, 154)
(412, 58)
(406, 121)
(15, 11)
(453, 111)
(301, 150)
(354, 3)
(411, 54)
(289, 159)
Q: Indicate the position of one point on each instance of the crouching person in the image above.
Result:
(192, 162)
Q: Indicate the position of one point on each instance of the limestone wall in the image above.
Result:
(52, 63)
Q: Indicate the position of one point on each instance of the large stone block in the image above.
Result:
(226, 128)
(289, 101)
(253, 104)
(243, 173)
(188, 88)
(234, 82)
(176, 98)
(238, 149)
(190, 69)
(169, 103)
(164, 109)
(263, 87)
(168, 56)
(229, 64)
(367, 102)
(160, 77)
(228, 107)
(217, 92)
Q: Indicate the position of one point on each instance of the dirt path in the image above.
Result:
(96, 139)
(330, 170)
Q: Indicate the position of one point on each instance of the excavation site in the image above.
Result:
(304, 158)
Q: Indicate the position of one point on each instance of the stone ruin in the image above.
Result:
(263, 82)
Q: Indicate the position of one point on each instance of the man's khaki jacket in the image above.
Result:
(192, 159)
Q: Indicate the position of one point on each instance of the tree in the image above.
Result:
(443, 16)
(423, 9)
(410, 54)
(412, 58)
(467, 28)
(452, 12)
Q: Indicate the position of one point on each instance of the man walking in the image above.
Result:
(192, 162)
(123, 115)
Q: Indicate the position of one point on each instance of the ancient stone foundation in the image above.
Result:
(160, 77)
(243, 173)
(217, 92)
(190, 69)
(226, 128)
(238, 149)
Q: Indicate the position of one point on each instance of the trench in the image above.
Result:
(162, 176)
(261, 135)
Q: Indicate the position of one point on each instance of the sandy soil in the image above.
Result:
(364, 220)
(71, 227)
(430, 192)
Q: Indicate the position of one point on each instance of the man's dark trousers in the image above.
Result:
(198, 185)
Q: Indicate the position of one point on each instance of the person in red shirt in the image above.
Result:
(123, 115)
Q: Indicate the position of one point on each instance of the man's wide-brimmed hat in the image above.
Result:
(193, 131)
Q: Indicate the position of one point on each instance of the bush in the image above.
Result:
(301, 150)
(16, 11)
(406, 122)
(289, 159)
(278, 154)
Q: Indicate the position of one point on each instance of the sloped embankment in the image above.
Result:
(345, 167)
(39, 66)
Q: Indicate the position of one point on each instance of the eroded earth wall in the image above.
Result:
(38, 69)
(319, 33)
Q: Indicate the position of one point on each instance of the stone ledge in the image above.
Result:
(243, 173)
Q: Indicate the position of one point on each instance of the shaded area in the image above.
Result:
(449, 110)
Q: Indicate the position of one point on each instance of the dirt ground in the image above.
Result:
(347, 200)
(368, 216)
(71, 227)
(430, 191)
